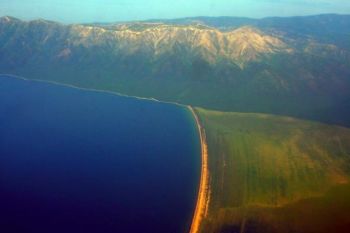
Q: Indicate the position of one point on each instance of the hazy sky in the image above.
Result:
(122, 10)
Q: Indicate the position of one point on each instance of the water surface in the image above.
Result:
(83, 161)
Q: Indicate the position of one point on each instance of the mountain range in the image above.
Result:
(296, 66)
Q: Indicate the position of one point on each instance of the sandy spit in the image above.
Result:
(203, 193)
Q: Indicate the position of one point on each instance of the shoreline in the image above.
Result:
(202, 203)
(203, 193)
(92, 89)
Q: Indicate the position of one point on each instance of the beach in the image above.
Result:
(203, 193)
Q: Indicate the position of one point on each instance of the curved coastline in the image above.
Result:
(91, 89)
(203, 198)
(203, 193)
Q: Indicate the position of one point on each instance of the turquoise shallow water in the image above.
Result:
(85, 161)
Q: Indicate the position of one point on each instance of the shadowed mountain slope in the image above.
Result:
(284, 66)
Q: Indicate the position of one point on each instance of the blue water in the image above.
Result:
(75, 161)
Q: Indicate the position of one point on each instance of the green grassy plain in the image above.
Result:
(276, 174)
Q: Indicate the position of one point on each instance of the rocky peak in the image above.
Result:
(241, 45)
(248, 43)
(7, 19)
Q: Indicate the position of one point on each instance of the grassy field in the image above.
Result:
(276, 174)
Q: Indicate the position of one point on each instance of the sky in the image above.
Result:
(84, 11)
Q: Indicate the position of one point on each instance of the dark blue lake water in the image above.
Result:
(75, 161)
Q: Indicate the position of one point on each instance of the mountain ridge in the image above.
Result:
(253, 68)
(239, 45)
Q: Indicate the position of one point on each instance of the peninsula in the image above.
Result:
(204, 191)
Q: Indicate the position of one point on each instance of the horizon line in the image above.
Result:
(168, 19)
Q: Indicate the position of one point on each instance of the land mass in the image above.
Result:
(261, 170)
(276, 174)
(203, 199)
(296, 66)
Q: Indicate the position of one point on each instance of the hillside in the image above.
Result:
(237, 46)
(276, 174)
(286, 66)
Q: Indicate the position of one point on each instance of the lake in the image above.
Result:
(74, 160)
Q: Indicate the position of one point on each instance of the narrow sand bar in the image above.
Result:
(203, 193)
